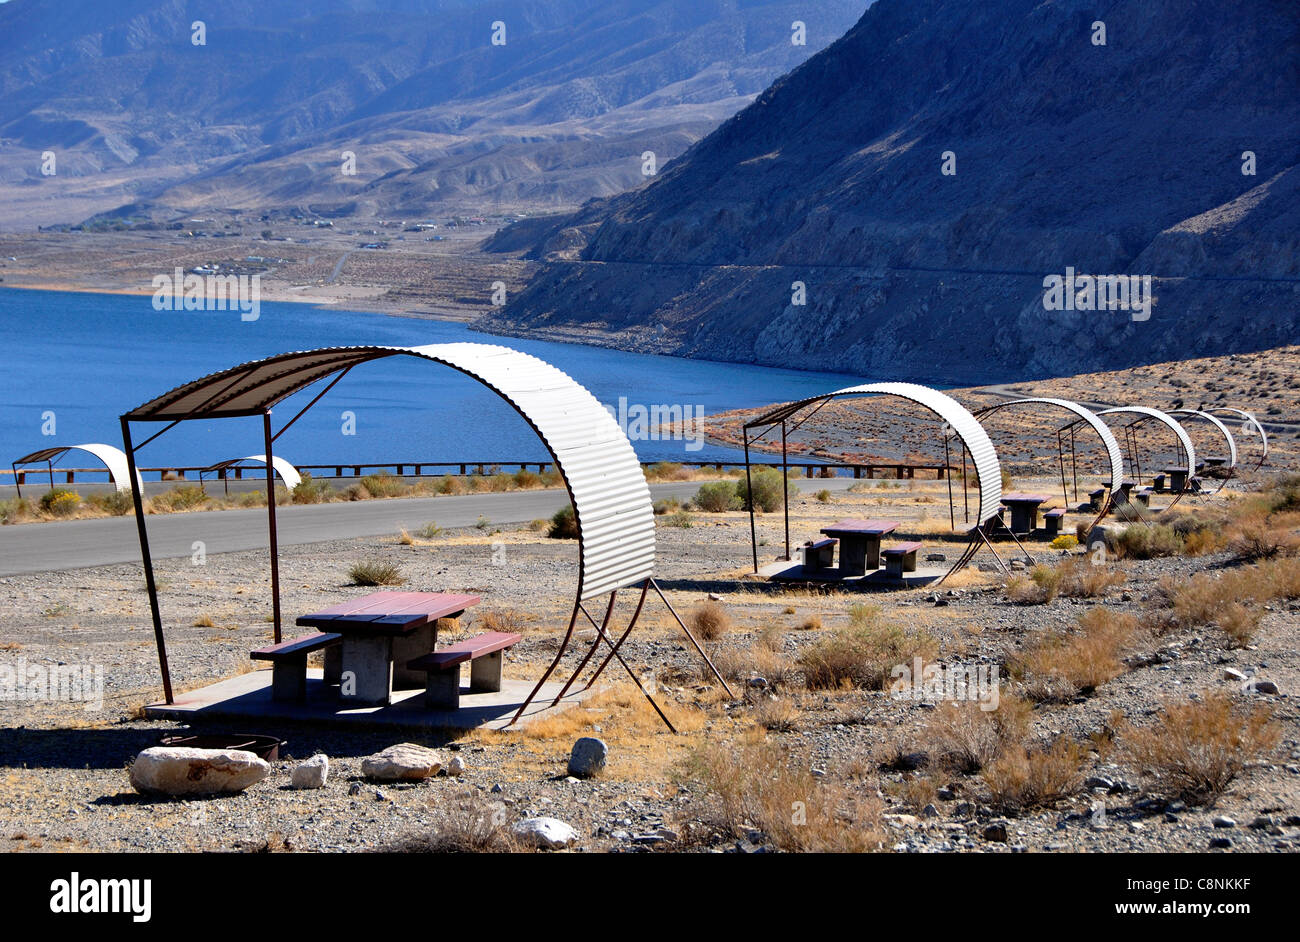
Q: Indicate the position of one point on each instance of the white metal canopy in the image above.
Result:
(611, 499)
(1248, 419)
(1113, 452)
(1223, 430)
(288, 473)
(114, 460)
(1144, 413)
(966, 427)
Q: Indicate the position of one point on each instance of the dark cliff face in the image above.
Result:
(1123, 158)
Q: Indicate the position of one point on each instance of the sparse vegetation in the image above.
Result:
(375, 572)
(1062, 665)
(863, 653)
(964, 738)
(564, 524)
(1023, 779)
(60, 502)
(710, 620)
(311, 490)
(716, 497)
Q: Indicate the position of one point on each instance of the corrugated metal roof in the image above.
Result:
(288, 473)
(1250, 418)
(1145, 413)
(1223, 430)
(967, 428)
(606, 484)
(1113, 452)
(113, 458)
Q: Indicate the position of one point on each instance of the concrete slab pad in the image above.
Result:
(248, 696)
(785, 571)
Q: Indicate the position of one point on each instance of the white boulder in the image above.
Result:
(546, 833)
(311, 774)
(404, 762)
(179, 770)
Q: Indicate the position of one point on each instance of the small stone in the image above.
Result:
(935, 558)
(588, 756)
(996, 831)
(1231, 673)
(380, 796)
(929, 811)
(1223, 821)
(179, 770)
(456, 766)
(1217, 843)
(1266, 686)
(497, 789)
(545, 833)
(1263, 822)
(403, 762)
(946, 794)
(311, 774)
(1099, 781)
(354, 789)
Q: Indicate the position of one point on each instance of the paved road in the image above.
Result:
(75, 544)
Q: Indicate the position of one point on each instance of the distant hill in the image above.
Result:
(437, 115)
(1122, 158)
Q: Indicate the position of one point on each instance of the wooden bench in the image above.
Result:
(1143, 495)
(485, 653)
(820, 555)
(1053, 520)
(900, 558)
(289, 664)
(1158, 483)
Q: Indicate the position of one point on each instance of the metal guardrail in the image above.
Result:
(811, 469)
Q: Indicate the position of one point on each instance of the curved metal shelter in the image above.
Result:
(967, 429)
(287, 472)
(1249, 422)
(1146, 414)
(1114, 455)
(1223, 430)
(114, 459)
(607, 488)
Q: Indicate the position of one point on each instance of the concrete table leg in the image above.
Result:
(872, 562)
(333, 663)
(289, 680)
(367, 670)
(853, 556)
(485, 672)
(1022, 520)
(442, 690)
(408, 647)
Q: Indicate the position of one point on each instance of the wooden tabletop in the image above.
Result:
(1026, 498)
(865, 527)
(388, 613)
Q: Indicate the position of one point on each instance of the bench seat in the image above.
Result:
(900, 558)
(1054, 519)
(820, 554)
(485, 653)
(289, 664)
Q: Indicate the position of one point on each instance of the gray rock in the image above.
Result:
(311, 774)
(403, 762)
(545, 833)
(996, 831)
(456, 766)
(175, 770)
(1265, 686)
(1231, 673)
(1223, 821)
(587, 758)
(1220, 842)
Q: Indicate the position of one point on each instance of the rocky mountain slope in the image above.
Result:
(558, 109)
(1063, 153)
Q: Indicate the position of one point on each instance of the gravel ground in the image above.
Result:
(64, 768)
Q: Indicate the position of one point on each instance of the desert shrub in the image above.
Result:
(1023, 779)
(716, 497)
(14, 509)
(1195, 750)
(1231, 600)
(1082, 579)
(710, 620)
(768, 490)
(1062, 665)
(311, 491)
(667, 505)
(1145, 541)
(1066, 541)
(1039, 587)
(508, 620)
(811, 623)
(429, 531)
(863, 613)
(470, 826)
(754, 785)
(863, 654)
(483, 523)
(450, 484)
(965, 738)
(667, 471)
(383, 484)
(682, 520)
(564, 524)
(823, 496)
(776, 715)
(523, 478)
(375, 572)
(552, 478)
(1259, 537)
(60, 502)
(115, 502)
(180, 498)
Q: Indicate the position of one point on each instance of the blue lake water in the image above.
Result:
(87, 358)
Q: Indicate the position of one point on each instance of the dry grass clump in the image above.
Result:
(508, 620)
(966, 739)
(710, 620)
(1024, 779)
(758, 659)
(1147, 541)
(1196, 750)
(1080, 578)
(1231, 600)
(756, 786)
(863, 653)
(776, 714)
(1260, 536)
(1039, 587)
(470, 826)
(1062, 665)
(375, 572)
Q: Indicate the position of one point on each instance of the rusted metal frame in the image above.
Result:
(151, 586)
(749, 484)
(1074, 462)
(547, 673)
(707, 660)
(645, 587)
(1060, 459)
(785, 494)
(1015, 539)
(952, 512)
(600, 635)
(270, 515)
(1001, 565)
(315, 399)
(17, 484)
(609, 611)
(966, 555)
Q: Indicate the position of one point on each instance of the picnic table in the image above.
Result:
(860, 543)
(1024, 510)
(1177, 478)
(381, 632)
